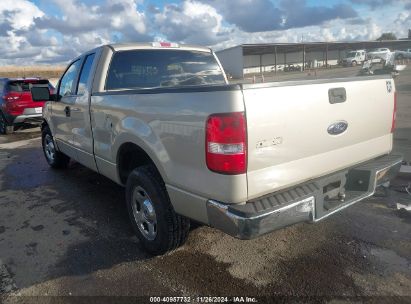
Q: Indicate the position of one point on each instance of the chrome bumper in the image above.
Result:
(28, 118)
(311, 201)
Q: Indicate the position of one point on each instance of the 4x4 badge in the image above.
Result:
(389, 86)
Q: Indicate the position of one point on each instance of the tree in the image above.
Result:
(387, 36)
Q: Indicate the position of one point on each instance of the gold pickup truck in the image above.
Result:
(162, 120)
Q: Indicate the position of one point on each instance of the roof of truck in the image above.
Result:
(157, 45)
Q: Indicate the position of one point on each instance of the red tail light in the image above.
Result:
(226, 145)
(11, 105)
(394, 113)
(11, 97)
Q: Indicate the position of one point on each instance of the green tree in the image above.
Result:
(387, 36)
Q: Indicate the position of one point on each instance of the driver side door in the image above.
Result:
(61, 108)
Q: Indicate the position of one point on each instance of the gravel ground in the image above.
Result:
(66, 233)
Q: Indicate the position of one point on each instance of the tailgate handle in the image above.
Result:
(337, 95)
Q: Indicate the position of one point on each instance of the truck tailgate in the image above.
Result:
(294, 128)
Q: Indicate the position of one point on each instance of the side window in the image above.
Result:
(85, 74)
(66, 83)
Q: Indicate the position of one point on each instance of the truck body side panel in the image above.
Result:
(170, 128)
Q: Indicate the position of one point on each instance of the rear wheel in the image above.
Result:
(4, 128)
(54, 158)
(154, 220)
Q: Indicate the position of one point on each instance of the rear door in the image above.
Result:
(302, 130)
(61, 118)
(80, 114)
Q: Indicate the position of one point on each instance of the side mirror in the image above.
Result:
(40, 94)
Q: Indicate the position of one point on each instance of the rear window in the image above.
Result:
(27, 85)
(162, 68)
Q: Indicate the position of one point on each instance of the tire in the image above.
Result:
(354, 63)
(54, 158)
(152, 216)
(4, 127)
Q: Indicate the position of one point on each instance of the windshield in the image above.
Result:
(351, 54)
(162, 68)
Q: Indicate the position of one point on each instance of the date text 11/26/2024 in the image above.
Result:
(201, 299)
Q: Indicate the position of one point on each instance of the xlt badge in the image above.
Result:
(269, 143)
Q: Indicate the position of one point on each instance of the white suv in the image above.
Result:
(380, 53)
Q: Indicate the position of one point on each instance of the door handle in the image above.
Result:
(337, 95)
(67, 111)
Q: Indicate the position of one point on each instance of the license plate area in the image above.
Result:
(38, 110)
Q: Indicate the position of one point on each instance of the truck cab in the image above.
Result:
(353, 58)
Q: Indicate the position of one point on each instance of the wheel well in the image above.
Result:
(43, 124)
(129, 157)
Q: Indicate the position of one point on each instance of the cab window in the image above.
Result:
(67, 81)
(138, 69)
(85, 74)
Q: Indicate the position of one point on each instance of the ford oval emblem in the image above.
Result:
(337, 127)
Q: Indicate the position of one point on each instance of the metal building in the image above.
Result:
(272, 57)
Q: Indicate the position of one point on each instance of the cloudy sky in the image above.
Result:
(54, 31)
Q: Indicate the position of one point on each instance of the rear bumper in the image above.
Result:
(311, 201)
(29, 118)
(29, 115)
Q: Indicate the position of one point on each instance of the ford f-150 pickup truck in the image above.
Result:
(162, 120)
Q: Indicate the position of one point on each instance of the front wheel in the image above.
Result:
(354, 63)
(153, 218)
(54, 158)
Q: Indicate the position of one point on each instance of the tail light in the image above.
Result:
(11, 105)
(11, 98)
(226, 145)
(394, 113)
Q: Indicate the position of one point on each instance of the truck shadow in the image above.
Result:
(73, 221)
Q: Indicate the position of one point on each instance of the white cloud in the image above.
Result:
(402, 23)
(336, 30)
(28, 35)
(18, 14)
(192, 22)
(129, 17)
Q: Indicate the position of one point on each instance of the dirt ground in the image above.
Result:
(67, 233)
(31, 71)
